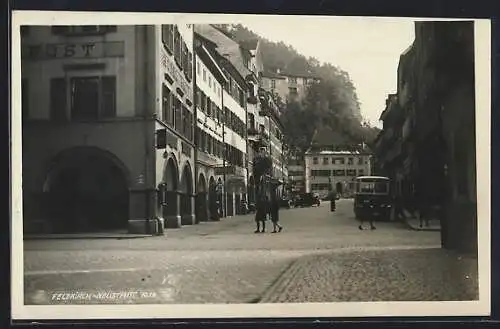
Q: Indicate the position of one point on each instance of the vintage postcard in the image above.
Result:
(222, 166)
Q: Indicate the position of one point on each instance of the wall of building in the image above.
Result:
(115, 50)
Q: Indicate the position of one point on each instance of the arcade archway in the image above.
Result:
(170, 186)
(87, 191)
(201, 200)
(212, 199)
(186, 193)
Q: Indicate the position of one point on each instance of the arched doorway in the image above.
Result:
(87, 191)
(221, 203)
(212, 199)
(170, 186)
(201, 200)
(186, 194)
(338, 188)
(251, 190)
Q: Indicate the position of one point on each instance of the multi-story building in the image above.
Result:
(210, 82)
(99, 151)
(288, 85)
(234, 61)
(296, 174)
(433, 116)
(325, 169)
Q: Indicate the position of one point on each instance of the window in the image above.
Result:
(204, 75)
(325, 161)
(209, 107)
(361, 172)
(178, 114)
(210, 82)
(292, 80)
(315, 160)
(24, 99)
(185, 122)
(190, 66)
(198, 69)
(350, 161)
(167, 37)
(177, 46)
(360, 161)
(93, 98)
(304, 81)
(167, 111)
(292, 91)
(273, 84)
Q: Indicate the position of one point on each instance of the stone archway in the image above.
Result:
(212, 199)
(170, 194)
(201, 200)
(186, 196)
(86, 190)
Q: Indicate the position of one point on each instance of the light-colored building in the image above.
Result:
(234, 62)
(337, 169)
(210, 81)
(99, 151)
(289, 86)
(296, 174)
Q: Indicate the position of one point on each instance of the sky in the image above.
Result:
(368, 48)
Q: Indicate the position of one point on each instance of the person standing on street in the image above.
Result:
(274, 211)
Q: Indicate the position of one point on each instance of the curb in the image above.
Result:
(282, 282)
(84, 237)
(420, 229)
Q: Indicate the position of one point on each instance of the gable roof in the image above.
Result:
(327, 136)
(250, 44)
(226, 46)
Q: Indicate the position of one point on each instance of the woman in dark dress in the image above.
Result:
(275, 211)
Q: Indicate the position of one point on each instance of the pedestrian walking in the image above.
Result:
(274, 212)
(332, 197)
(261, 215)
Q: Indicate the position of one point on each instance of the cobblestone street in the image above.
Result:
(319, 256)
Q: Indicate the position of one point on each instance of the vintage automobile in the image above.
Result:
(372, 197)
(307, 200)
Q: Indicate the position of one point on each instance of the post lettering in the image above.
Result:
(88, 48)
(69, 51)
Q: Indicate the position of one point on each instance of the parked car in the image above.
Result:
(285, 203)
(308, 200)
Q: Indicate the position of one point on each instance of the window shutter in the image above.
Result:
(108, 94)
(58, 99)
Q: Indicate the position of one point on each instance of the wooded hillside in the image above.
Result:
(332, 103)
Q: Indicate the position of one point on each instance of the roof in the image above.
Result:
(226, 46)
(327, 136)
(249, 44)
(298, 74)
(373, 177)
(272, 75)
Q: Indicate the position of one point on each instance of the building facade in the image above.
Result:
(290, 86)
(435, 121)
(296, 174)
(91, 128)
(326, 169)
(210, 82)
(234, 62)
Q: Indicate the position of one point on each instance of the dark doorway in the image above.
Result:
(201, 200)
(338, 187)
(171, 185)
(251, 190)
(212, 199)
(186, 192)
(87, 191)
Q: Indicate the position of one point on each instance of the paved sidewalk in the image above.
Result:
(378, 275)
